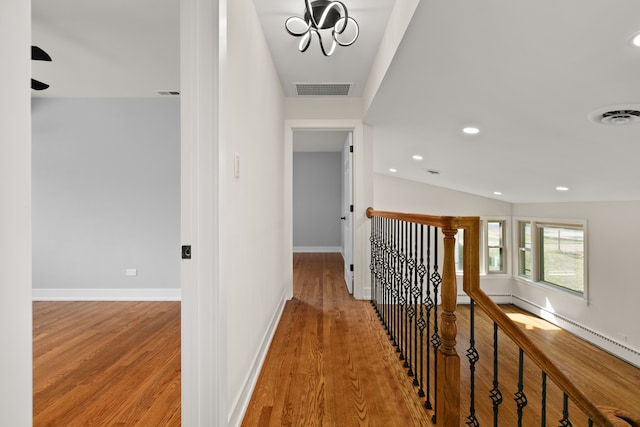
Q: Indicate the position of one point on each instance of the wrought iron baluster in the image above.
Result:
(520, 397)
(436, 280)
(473, 356)
(409, 297)
(396, 287)
(387, 276)
(422, 323)
(496, 394)
(415, 294)
(564, 422)
(429, 304)
(379, 267)
(403, 296)
(372, 265)
(401, 276)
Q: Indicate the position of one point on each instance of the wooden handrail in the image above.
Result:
(471, 286)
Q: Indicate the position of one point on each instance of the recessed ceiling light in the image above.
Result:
(562, 188)
(392, 170)
(635, 40)
(497, 193)
(417, 157)
(470, 130)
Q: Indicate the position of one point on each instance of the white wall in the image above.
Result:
(613, 281)
(106, 195)
(15, 215)
(317, 202)
(253, 261)
(400, 195)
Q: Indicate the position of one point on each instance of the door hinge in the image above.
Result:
(351, 148)
(351, 267)
(186, 252)
(351, 208)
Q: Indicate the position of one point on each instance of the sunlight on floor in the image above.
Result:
(532, 322)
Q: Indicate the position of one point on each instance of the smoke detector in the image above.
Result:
(616, 115)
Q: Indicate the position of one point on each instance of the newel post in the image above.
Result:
(448, 400)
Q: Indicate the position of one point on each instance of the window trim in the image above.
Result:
(505, 246)
(484, 248)
(536, 279)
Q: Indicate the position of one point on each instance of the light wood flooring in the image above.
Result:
(106, 364)
(332, 364)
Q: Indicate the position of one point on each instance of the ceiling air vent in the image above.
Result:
(620, 117)
(322, 89)
(617, 115)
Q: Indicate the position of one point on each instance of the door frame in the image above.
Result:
(203, 308)
(347, 215)
(361, 196)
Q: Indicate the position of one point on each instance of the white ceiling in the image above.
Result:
(526, 73)
(113, 48)
(347, 65)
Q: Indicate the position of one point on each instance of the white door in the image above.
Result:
(347, 214)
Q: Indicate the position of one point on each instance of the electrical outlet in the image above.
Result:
(131, 272)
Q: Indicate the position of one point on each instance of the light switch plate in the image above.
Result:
(236, 165)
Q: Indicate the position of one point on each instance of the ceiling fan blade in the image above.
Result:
(38, 54)
(36, 85)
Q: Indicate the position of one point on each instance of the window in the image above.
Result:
(459, 250)
(524, 249)
(562, 257)
(553, 253)
(495, 247)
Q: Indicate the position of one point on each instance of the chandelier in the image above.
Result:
(331, 16)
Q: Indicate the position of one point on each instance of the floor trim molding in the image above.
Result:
(317, 249)
(239, 407)
(141, 294)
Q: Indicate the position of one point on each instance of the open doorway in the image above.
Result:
(106, 140)
(323, 194)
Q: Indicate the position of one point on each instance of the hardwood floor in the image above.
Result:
(331, 364)
(106, 363)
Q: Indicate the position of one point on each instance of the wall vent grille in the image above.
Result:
(322, 89)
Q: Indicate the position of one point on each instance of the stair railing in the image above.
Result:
(416, 302)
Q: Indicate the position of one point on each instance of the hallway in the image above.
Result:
(320, 371)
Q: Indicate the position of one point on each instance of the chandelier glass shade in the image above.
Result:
(322, 17)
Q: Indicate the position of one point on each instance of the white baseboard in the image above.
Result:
(141, 294)
(607, 344)
(240, 404)
(317, 249)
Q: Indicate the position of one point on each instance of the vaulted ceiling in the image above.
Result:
(532, 76)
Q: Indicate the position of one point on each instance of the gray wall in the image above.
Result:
(317, 204)
(106, 192)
